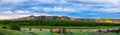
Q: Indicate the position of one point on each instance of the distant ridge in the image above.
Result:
(32, 17)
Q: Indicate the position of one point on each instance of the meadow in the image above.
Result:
(36, 32)
(55, 24)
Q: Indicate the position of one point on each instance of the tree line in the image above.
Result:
(53, 23)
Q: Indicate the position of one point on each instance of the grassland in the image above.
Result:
(35, 32)
(73, 27)
(55, 24)
(14, 32)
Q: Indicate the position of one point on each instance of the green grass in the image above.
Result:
(92, 33)
(36, 32)
(14, 32)
(72, 27)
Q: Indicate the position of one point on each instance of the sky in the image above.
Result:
(71, 8)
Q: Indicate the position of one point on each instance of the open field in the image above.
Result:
(72, 27)
(14, 32)
(36, 32)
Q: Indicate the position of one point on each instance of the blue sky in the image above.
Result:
(70, 8)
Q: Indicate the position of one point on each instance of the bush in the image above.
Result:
(14, 27)
(4, 27)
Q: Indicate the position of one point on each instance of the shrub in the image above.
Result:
(14, 27)
(4, 27)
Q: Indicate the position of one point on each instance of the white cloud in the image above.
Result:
(46, 9)
(109, 6)
(12, 1)
(69, 9)
(22, 11)
(101, 1)
(105, 2)
(59, 9)
(63, 2)
(110, 10)
(19, 14)
(42, 14)
(47, 1)
(6, 12)
(35, 8)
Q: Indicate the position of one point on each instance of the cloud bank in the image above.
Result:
(71, 8)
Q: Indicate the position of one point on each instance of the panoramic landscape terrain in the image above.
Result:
(59, 25)
(59, 17)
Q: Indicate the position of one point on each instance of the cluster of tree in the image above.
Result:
(54, 23)
(12, 27)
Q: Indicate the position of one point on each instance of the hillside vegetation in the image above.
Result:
(53, 23)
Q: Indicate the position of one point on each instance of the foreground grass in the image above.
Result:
(92, 33)
(14, 32)
(72, 27)
(36, 32)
